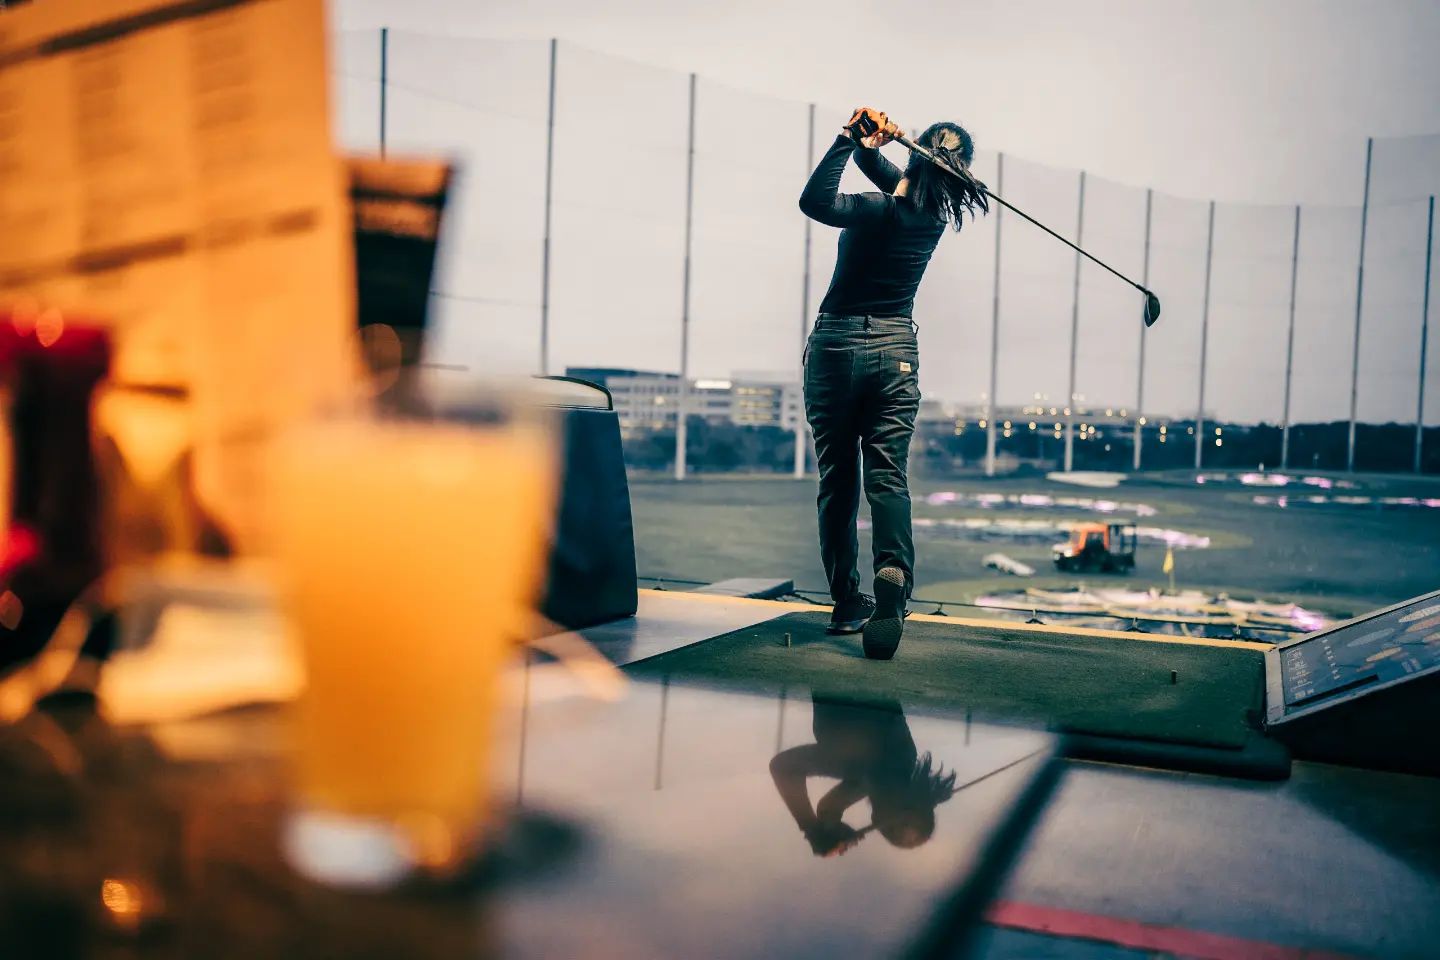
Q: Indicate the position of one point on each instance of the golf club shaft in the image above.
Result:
(916, 148)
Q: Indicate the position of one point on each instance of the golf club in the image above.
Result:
(866, 126)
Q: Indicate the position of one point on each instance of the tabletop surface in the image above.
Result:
(679, 821)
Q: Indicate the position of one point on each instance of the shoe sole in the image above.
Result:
(848, 627)
(882, 634)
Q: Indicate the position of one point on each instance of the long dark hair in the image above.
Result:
(903, 808)
(943, 195)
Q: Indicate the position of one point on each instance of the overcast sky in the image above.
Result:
(1234, 99)
(1246, 102)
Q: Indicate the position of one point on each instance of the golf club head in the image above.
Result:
(1152, 308)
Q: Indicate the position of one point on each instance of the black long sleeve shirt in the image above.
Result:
(885, 243)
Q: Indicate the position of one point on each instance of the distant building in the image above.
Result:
(767, 399)
(647, 401)
(603, 375)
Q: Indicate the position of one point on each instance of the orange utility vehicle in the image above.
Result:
(1105, 547)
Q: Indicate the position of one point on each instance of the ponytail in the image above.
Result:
(946, 195)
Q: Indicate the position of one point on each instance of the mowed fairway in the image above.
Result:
(1340, 559)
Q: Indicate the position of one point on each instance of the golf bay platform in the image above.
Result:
(1179, 827)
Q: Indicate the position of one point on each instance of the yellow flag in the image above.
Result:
(1169, 566)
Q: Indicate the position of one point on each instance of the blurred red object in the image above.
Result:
(52, 549)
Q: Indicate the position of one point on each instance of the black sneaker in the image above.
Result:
(882, 633)
(850, 616)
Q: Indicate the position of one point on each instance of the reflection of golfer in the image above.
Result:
(868, 748)
(862, 361)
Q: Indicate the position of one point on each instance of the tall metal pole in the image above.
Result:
(1424, 335)
(994, 330)
(1140, 387)
(1359, 299)
(545, 255)
(800, 425)
(684, 398)
(1290, 346)
(1204, 340)
(1074, 332)
(384, 81)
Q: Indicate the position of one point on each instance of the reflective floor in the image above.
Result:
(683, 821)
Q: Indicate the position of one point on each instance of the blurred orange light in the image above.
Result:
(48, 327)
(22, 316)
(121, 898)
(11, 610)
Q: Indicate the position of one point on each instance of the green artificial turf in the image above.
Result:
(1102, 686)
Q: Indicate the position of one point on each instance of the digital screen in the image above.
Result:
(1392, 646)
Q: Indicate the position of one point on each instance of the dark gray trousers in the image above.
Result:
(862, 392)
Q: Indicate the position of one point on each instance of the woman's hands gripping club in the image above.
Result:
(871, 128)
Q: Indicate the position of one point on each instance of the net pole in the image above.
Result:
(684, 395)
(1204, 341)
(994, 332)
(1290, 347)
(1359, 299)
(1073, 400)
(800, 425)
(1424, 336)
(1140, 385)
(384, 82)
(545, 249)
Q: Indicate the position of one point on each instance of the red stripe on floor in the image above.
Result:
(1179, 941)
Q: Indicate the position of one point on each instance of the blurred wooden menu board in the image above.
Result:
(166, 168)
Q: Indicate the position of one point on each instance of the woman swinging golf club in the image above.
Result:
(862, 361)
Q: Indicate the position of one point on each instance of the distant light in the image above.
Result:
(1007, 424)
(1037, 396)
(1084, 427)
(1219, 442)
(1142, 422)
(1052, 411)
(1109, 411)
(1007, 433)
(1032, 424)
(1067, 411)
(982, 424)
(1122, 413)
(1217, 431)
(712, 384)
(1057, 428)
(1190, 430)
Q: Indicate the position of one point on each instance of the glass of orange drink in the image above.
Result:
(409, 553)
